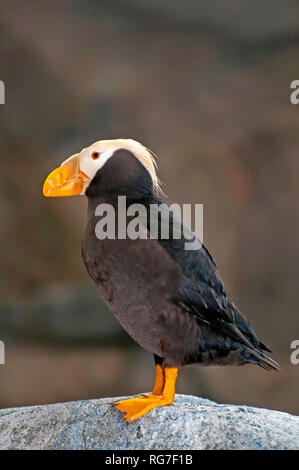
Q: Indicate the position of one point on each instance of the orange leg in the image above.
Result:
(162, 394)
(159, 382)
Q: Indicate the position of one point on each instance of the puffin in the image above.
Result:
(170, 300)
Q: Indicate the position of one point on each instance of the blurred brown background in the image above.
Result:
(206, 86)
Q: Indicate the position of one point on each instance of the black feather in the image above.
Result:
(201, 293)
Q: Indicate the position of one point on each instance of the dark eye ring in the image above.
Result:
(95, 155)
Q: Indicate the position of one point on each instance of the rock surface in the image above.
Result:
(190, 423)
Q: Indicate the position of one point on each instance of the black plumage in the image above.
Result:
(191, 306)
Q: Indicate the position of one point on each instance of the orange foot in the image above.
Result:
(136, 407)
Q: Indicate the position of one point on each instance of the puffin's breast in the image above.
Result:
(136, 279)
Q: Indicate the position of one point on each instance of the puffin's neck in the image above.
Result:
(113, 200)
(95, 201)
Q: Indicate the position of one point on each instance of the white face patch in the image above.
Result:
(89, 165)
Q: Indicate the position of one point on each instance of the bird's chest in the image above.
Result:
(135, 278)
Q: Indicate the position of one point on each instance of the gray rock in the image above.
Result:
(190, 423)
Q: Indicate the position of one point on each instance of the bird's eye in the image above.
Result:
(95, 155)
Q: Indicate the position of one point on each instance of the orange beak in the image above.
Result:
(67, 180)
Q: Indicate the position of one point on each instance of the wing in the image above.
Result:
(201, 291)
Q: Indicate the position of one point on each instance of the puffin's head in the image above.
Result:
(118, 165)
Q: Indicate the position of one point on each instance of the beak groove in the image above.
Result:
(67, 180)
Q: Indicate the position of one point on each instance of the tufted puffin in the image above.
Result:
(170, 300)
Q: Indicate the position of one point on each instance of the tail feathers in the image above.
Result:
(264, 347)
(264, 361)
